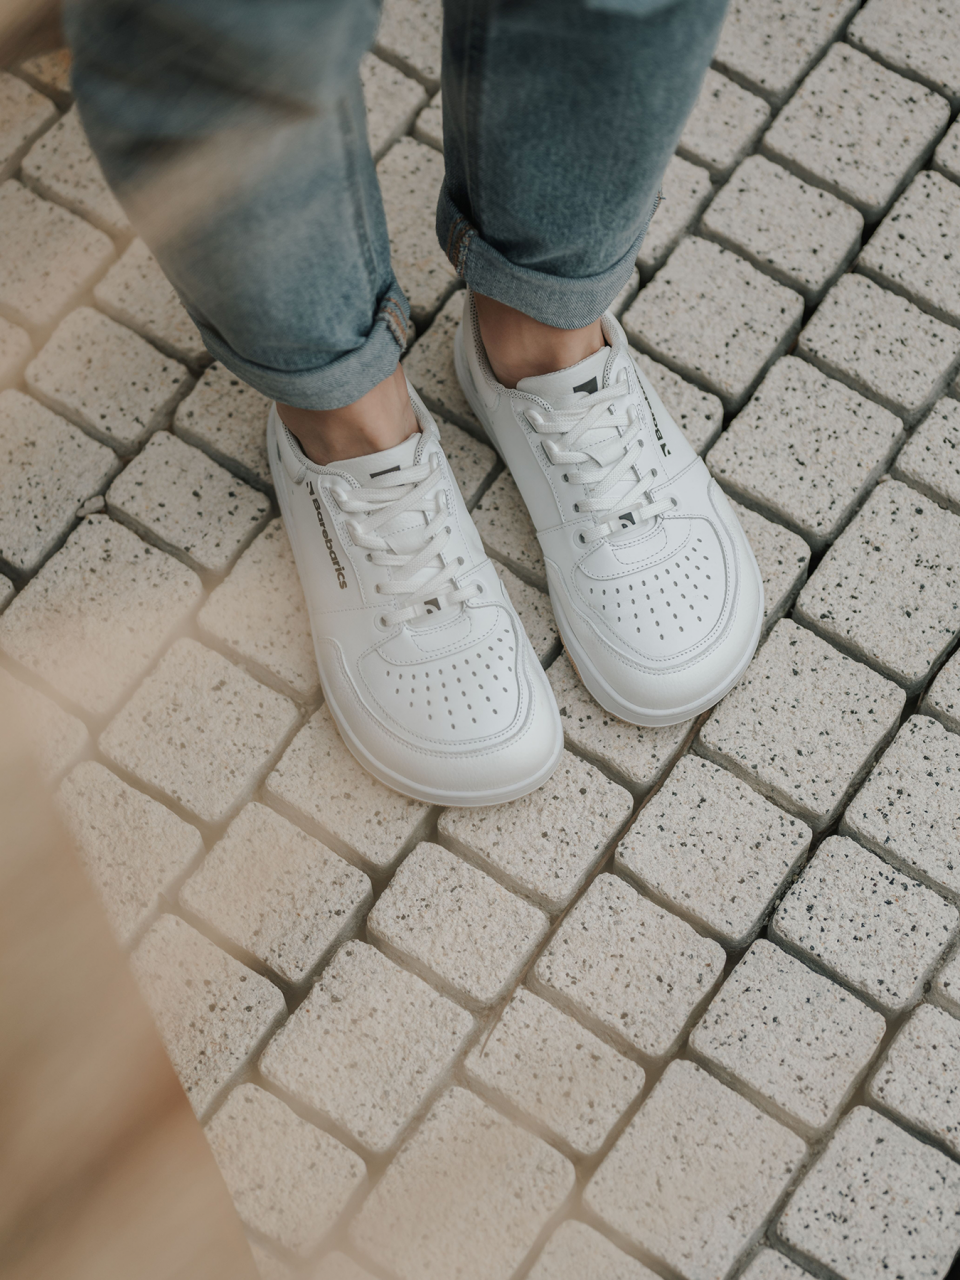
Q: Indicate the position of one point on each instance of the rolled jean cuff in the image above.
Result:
(559, 301)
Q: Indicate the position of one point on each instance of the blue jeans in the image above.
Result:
(559, 119)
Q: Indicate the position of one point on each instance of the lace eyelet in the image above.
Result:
(673, 502)
(654, 473)
(581, 538)
(576, 506)
(565, 478)
(460, 560)
(481, 589)
(369, 557)
(383, 622)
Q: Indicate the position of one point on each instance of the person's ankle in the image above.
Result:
(379, 420)
(518, 346)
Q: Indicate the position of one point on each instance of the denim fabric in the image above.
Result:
(559, 119)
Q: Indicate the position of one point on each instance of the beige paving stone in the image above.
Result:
(946, 984)
(48, 259)
(782, 558)
(56, 738)
(199, 730)
(392, 101)
(106, 379)
(429, 126)
(429, 366)
(789, 1037)
(508, 533)
(134, 848)
(98, 613)
(337, 1266)
(410, 176)
(916, 37)
(876, 929)
(228, 420)
(770, 1265)
(686, 188)
(917, 1079)
(806, 449)
(857, 129)
(546, 844)
(289, 1181)
(466, 1197)
(536, 615)
(569, 1084)
(319, 785)
(930, 460)
(942, 699)
(576, 1250)
(695, 1174)
(137, 293)
(410, 33)
(47, 469)
(7, 591)
(803, 724)
(470, 461)
(61, 167)
(946, 158)
(268, 1264)
(712, 316)
(15, 350)
(712, 849)
(876, 1203)
(454, 924)
(695, 411)
(723, 126)
(367, 1046)
(24, 114)
(211, 1011)
(188, 504)
(50, 74)
(628, 969)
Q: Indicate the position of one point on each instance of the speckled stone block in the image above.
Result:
(889, 588)
(801, 235)
(321, 786)
(410, 176)
(788, 1036)
(806, 449)
(453, 923)
(917, 1079)
(942, 699)
(106, 379)
(134, 848)
(908, 810)
(628, 969)
(56, 738)
(930, 461)
(470, 461)
(782, 558)
(946, 158)
(575, 1251)
(276, 892)
(695, 1174)
(25, 114)
(47, 469)
(535, 613)
(714, 850)
(212, 1012)
(62, 167)
(916, 37)
(715, 318)
(392, 100)
(803, 724)
(367, 1046)
(857, 129)
(508, 533)
(188, 504)
(7, 591)
(429, 125)
(876, 929)
(289, 1181)
(769, 1265)
(98, 613)
(696, 412)
(269, 1266)
(227, 419)
(50, 74)
(569, 1084)
(685, 188)
(723, 126)
(429, 366)
(15, 350)
(137, 293)
(882, 345)
(946, 984)
(466, 1197)
(199, 730)
(877, 1203)
(337, 1266)
(409, 33)
(48, 258)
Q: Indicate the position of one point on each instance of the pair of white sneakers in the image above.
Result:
(424, 662)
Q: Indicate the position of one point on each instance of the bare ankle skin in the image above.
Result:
(520, 347)
(379, 420)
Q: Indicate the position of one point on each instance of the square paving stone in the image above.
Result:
(535, 613)
(392, 101)
(546, 844)
(457, 926)
(946, 985)
(803, 724)
(56, 738)
(576, 1251)
(942, 699)
(698, 413)
(889, 587)
(908, 810)
(508, 533)
(628, 969)
(200, 730)
(769, 1265)
(946, 158)
(228, 420)
(803, 236)
(877, 1203)
(857, 129)
(367, 1046)
(49, 257)
(188, 504)
(918, 37)
(137, 293)
(212, 1012)
(290, 1181)
(712, 316)
(685, 189)
(50, 74)
(429, 366)
(276, 892)
(470, 461)
(788, 1036)
(876, 929)
(429, 126)
(917, 1079)
(409, 32)
(15, 350)
(106, 379)
(24, 114)
(571, 1085)
(321, 786)
(133, 848)
(708, 846)
(62, 167)
(723, 126)
(806, 449)
(695, 1174)
(47, 469)
(98, 613)
(881, 345)
(7, 591)
(930, 461)
(782, 558)
(467, 1196)
(410, 175)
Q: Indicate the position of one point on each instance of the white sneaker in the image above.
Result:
(654, 586)
(424, 663)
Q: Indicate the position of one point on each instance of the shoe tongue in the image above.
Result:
(580, 379)
(366, 468)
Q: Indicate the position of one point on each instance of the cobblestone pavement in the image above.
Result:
(693, 1009)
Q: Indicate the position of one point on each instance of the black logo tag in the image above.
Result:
(432, 605)
(589, 386)
(625, 517)
(385, 472)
